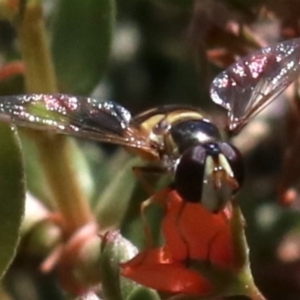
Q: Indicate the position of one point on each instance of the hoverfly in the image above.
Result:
(178, 138)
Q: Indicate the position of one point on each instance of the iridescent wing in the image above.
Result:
(84, 117)
(254, 81)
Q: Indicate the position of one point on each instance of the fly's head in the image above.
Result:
(209, 174)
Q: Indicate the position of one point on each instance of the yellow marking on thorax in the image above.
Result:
(170, 118)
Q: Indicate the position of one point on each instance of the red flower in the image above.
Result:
(192, 234)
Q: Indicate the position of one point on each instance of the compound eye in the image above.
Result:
(235, 160)
(190, 173)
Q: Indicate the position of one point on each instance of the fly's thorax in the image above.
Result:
(209, 174)
(165, 128)
(189, 133)
(174, 130)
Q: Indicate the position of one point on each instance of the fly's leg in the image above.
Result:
(157, 198)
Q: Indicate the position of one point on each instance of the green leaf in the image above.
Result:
(180, 4)
(35, 176)
(115, 249)
(11, 196)
(142, 293)
(115, 199)
(12, 86)
(82, 34)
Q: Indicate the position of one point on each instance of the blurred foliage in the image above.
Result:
(155, 52)
(86, 27)
(12, 195)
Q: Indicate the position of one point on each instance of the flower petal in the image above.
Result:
(192, 232)
(154, 268)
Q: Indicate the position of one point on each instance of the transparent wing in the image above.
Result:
(251, 83)
(78, 116)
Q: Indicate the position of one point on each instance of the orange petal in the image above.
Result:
(173, 236)
(193, 232)
(222, 252)
(152, 256)
(152, 269)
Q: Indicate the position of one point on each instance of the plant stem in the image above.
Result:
(54, 150)
(255, 294)
(3, 294)
(247, 284)
(39, 72)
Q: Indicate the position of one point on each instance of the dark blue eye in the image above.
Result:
(209, 174)
(189, 174)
